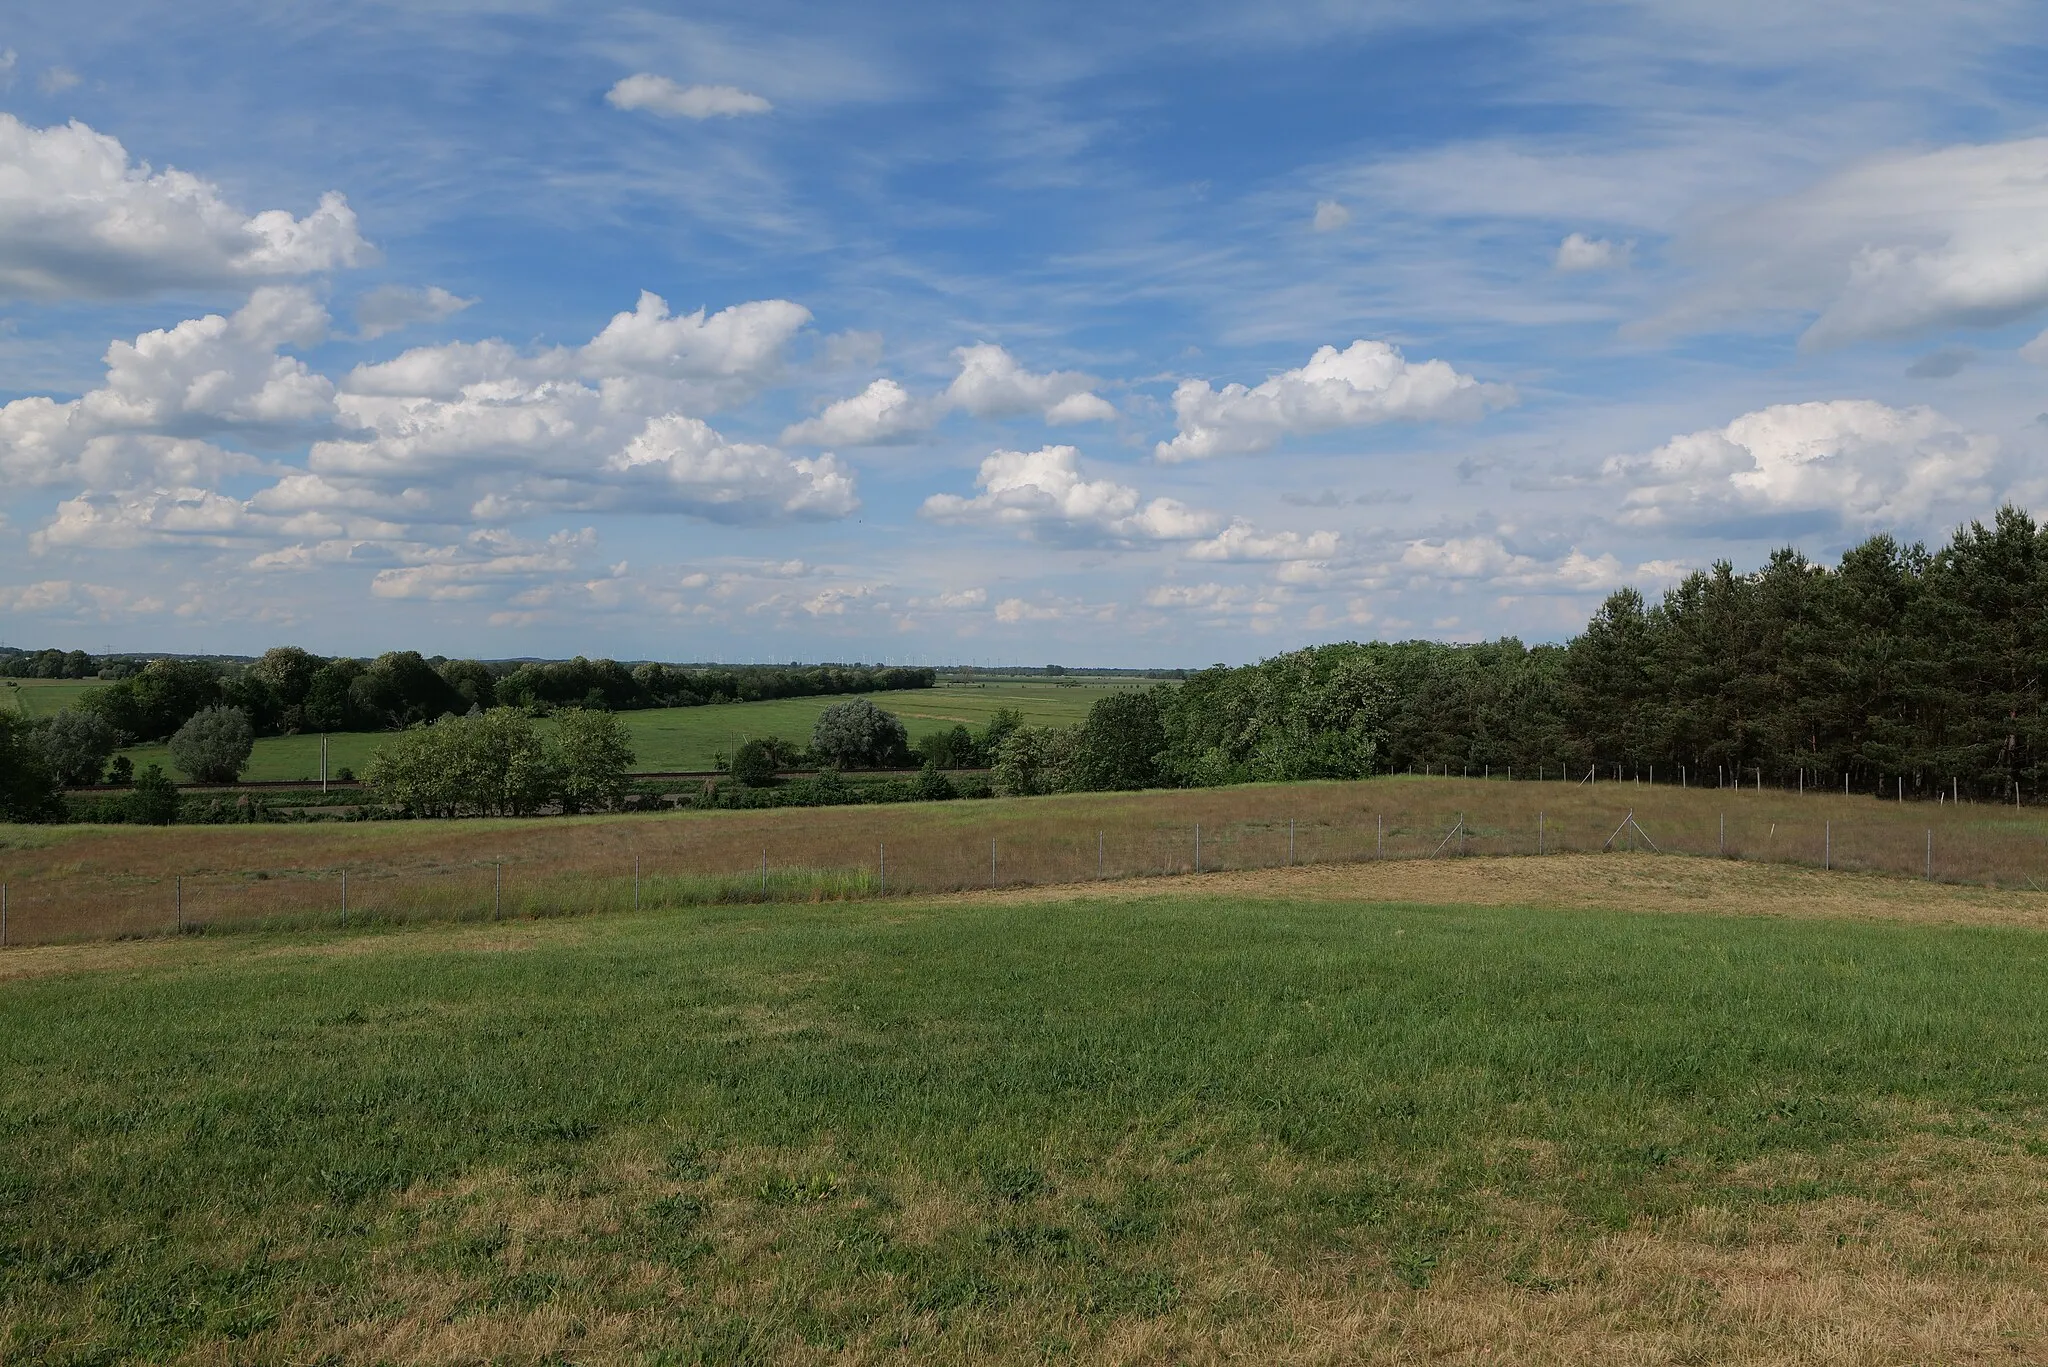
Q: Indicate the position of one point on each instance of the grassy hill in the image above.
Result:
(1173, 1127)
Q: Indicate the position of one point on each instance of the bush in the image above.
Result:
(753, 764)
(1035, 760)
(29, 790)
(954, 749)
(499, 763)
(932, 785)
(1118, 746)
(494, 763)
(1003, 723)
(593, 751)
(857, 734)
(214, 746)
(155, 799)
(77, 744)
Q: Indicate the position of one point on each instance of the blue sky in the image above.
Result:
(1120, 334)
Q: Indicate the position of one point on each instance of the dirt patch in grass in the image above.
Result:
(1609, 882)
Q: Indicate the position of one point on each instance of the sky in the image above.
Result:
(1097, 334)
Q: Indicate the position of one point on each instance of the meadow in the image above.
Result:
(33, 698)
(1163, 1121)
(687, 739)
(74, 882)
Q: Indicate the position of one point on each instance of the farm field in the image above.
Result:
(34, 698)
(690, 738)
(1271, 1117)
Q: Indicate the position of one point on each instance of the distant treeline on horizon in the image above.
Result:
(287, 690)
(1901, 669)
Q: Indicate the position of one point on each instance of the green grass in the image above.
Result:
(972, 1132)
(34, 698)
(690, 738)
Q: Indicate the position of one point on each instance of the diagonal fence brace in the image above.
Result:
(1629, 823)
(1449, 836)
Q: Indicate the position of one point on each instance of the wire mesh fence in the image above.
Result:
(153, 881)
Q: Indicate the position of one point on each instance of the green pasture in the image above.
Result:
(690, 738)
(899, 1131)
(43, 697)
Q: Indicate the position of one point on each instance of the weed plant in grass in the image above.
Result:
(1165, 1131)
(85, 882)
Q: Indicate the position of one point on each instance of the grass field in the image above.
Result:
(34, 698)
(82, 881)
(689, 738)
(1172, 1122)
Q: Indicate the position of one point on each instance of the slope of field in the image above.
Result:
(1181, 1128)
(73, 882)
(690, 738)
(43, 697)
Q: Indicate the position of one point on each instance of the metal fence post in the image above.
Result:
(1379, 840)
(882, 869)
(344, 892)
(1098, 854)
(1930, 853)
(1539, 831)
(497, 889)
(1198, 847)
(1827, 844)
(991, 859)
(180, 885)
(3, 916)
(1290, 842)
(636, 882)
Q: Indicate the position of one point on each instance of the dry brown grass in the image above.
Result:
(1956, 1274)
(102, 882)
(1612, 882)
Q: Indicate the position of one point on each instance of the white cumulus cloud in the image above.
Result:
(1578, 253)
(78, 219)
(504, 432)
(1330, 216)
(1850, 462)
(991, 383)
(1242, 541)
(660, 95)
(487, 564)
(168, 388)
(883, 412)
(1895, 246)
(702, 473)
(1044, 494)
(994, 384)
(1367, 382)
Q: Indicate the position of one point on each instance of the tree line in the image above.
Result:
(289, 691)
(1899, 669)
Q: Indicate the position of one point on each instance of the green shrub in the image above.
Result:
(154, 801)
(213, 745)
